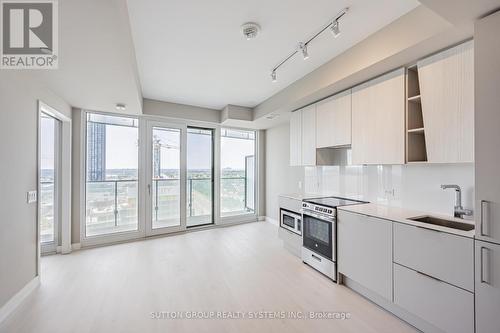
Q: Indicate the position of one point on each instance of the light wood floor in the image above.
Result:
(239, 268)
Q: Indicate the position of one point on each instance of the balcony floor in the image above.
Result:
(239, 268)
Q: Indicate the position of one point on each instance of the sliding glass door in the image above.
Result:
(49, 182)
(112, 175)
(166, 176)
(200, 176)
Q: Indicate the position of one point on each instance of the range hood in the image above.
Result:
(339, 156)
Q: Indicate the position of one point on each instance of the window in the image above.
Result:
(112, 175)
(199, 176)
(49, 133)
(237, 183)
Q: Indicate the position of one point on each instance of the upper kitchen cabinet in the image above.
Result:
(333, 121)
(378, 120)
(296, 139)
(303, 136)
(447, 96)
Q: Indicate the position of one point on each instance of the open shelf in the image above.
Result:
(416, 150)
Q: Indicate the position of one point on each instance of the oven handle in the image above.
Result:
(318, 216)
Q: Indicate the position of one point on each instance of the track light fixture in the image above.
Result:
(303, 49)
(335, 28)
(333, 25)
(273, 76)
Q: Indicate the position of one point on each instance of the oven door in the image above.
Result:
(290, 221)
(319, 234)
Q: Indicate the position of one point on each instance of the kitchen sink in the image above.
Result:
(444, 223)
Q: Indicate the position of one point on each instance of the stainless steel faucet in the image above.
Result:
(459, 211)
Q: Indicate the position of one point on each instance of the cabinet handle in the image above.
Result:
(316, 257)
(485, 274)
(483, 220)
(429, 276)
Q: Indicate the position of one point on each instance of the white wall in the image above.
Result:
(19, 95)
(280, 177)
(414, 186)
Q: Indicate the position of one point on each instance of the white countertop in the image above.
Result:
(402, 215)
(301, 196)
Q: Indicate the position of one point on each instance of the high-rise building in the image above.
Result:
(96, 151)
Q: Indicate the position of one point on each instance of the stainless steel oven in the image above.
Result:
(319, 239)
(291, 221)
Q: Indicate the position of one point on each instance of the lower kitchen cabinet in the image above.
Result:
(446, 307)
(365, 251)
(487, 287)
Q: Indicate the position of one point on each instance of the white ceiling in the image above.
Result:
(192, 52)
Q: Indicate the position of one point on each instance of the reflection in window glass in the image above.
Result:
(237, 183)
(112, 175)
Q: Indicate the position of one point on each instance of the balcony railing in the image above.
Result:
(114, 203)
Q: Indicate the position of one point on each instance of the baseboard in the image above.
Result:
(74, 247)
(18, 299)
(272, 221)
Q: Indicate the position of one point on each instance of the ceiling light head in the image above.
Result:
(335, 28)
(303, 49)
(250, 30)
(120, 107)
(273, 76)
(272, 116)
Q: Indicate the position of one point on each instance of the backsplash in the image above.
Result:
(410, 186)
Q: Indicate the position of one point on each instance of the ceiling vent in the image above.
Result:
(250, 30)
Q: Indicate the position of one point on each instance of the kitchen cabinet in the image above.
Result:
(447, 98)
(309, 135)
(378, 120)
(365, 251)
(296, 139)
(487, 124)
(447, 257)
(333, 121)
(487, 287)
(303, 137)
(446, 307)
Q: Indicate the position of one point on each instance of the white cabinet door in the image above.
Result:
(487, 287)
(296, 138)
(487, 123)
(447, 95)
(448, 308)
(333, 121)
(378, 120)
(309, 135)
(365, 251)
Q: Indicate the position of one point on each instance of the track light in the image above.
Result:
(335, 28)
(303, 49)
(273, 76)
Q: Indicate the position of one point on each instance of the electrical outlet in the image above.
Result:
(300, 185)
(31, 197)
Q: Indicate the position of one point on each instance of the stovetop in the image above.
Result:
(333, 202)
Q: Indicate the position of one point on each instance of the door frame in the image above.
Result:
(147, 185)
(62, 183)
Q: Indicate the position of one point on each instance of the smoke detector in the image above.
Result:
(250, 30)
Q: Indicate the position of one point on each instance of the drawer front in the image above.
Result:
(447, 257)
(446, 307)
(293, 205)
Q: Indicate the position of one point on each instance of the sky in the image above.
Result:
(122, 150)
